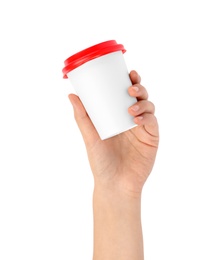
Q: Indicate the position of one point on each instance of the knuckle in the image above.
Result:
(153, 107)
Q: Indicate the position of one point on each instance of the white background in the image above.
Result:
(45, 180)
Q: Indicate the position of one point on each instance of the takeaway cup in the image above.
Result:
(100, 78)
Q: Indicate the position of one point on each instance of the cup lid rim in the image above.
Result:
(90, 53)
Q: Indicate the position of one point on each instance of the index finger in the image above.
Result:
(135, 78)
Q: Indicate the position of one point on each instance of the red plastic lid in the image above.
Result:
(89, 54)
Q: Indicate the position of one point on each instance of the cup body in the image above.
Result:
(102, 85)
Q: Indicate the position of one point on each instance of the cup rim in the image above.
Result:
(90, 53)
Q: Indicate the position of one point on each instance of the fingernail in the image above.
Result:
(136, 88)
(135, 108)
(139, 117)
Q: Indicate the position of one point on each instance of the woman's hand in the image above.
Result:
(123, 162)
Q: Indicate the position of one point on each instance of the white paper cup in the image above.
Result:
(100, 78)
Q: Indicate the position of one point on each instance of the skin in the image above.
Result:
(120, 167)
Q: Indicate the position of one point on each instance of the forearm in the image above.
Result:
(117, 226)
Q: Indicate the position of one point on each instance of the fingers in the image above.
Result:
(135, 78)
(138, 91)
(146, 119)
(141, 107)
(148, 130)
(143, 110)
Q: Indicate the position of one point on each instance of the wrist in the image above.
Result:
(116, 204)
(108, 194)
(117, 189)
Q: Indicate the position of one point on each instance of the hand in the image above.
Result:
(122, 162)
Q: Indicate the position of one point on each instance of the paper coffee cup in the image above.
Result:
(100, 78)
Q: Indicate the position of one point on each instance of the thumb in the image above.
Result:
(83, 121)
